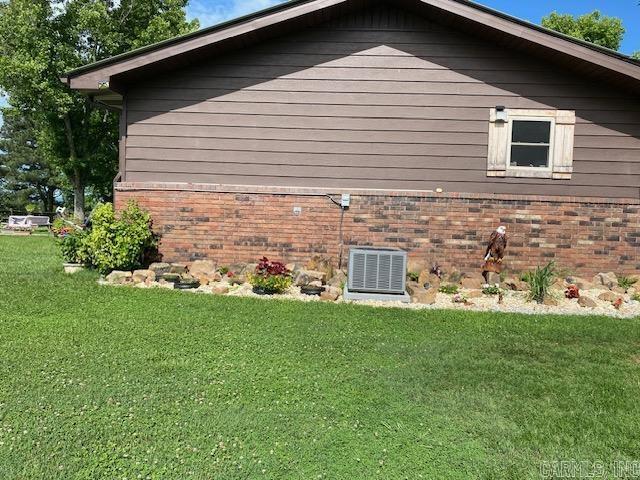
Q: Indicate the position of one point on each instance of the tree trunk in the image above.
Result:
(77, 181)
(78, 196)
(51, 199)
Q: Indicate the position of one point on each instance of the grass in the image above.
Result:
(104, 383)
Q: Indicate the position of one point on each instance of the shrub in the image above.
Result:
(491, 290)
(118, 243)
(540, 281)
(271, 277)
(449, 289)
(626, 282)
(71, 244)
(413, 276)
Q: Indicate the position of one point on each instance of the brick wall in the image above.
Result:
(234, 224)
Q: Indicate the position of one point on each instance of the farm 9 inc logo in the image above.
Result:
(582, 469)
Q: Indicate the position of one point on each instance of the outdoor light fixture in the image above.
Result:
(501, 114)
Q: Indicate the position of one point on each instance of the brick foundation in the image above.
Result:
(239, 224)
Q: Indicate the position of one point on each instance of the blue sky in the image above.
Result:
(211, 12)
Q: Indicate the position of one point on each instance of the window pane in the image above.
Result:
(531, 131)
(529, 156)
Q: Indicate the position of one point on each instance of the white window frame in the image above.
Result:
(561, 141)
(521, 171)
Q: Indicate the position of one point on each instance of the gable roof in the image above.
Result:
(106, 76)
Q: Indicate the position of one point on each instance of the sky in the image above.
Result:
(210, 12)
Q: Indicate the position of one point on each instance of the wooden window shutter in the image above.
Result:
(563, 144)
(498, 144)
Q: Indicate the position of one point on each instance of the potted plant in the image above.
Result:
(270, 278)
(70, 241)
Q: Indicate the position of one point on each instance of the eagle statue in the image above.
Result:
(497, 245)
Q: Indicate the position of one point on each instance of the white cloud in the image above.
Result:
(211, 12)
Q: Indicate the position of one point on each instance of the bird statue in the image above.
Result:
(497, 245)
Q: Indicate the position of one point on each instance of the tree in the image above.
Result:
(636, 55)
(26, 172)
(592, 27)
(40, 40)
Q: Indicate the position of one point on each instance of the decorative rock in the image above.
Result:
(416, 265)
(581, 283)
(330, 294)
(292, 267)
(619, 290)
(493, 278)
(608, 280)
(220, 289)
(118, 277)
(162, 283)
(474, 294)
(315, 283)
(550, 301)
(320, 263)
(72, 268)
(178, 268)
(587, 302)
(143, 276)
(473, 283)
(426, 277)
(339, 278)
(608, 296)
(202, 267)
(413, 288)
(426, 297)
(305, 277)
(516, 284)
(455, 277)
(160, 268)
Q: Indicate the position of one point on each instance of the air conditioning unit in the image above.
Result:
(377, 274)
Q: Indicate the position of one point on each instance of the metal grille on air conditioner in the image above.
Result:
(377, 270)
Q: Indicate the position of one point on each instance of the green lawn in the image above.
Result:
(105, 383)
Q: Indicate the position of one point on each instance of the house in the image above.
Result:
(442, 119)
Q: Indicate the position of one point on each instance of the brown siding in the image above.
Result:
(381, 99)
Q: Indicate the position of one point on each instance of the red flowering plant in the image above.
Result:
(270, 277)
(572, 291)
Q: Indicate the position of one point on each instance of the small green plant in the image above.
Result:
(72, 245)
(626, 282)
(540, 281)
(413, 276)
(449, 289)
(270, 277)
(636, 297)
(223, 270)
(491, 290)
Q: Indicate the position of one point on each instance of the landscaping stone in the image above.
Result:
(179, 268)
(413, 288)
(143, 276)
(619, 290)
(473, 283)
(305, 277)
(330, 294)
(429, 280)
(118, 277)
(587, 302)
(550, 301)
(320, 263)
(474, 294)
(160, 268)
(608, 296)
(493, 278)
(162, 283)
(424, 296)
(455, 277)
(205, 271)
(417, 265)
(608, 280)
(581, 283)
(339, 278)
(516, 284)
(220, 289)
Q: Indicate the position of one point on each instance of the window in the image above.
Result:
(531, 143)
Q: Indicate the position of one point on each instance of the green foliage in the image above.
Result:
(449, 289)
(636, 55)
(270, 283)
(540, 281)
(626, 282)
(636, 297)
(26, 176)
(41, 40)
(413, 276)
(223, 270)
(491, 290)
(118, 243)
(592, 27)
(72, 246)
